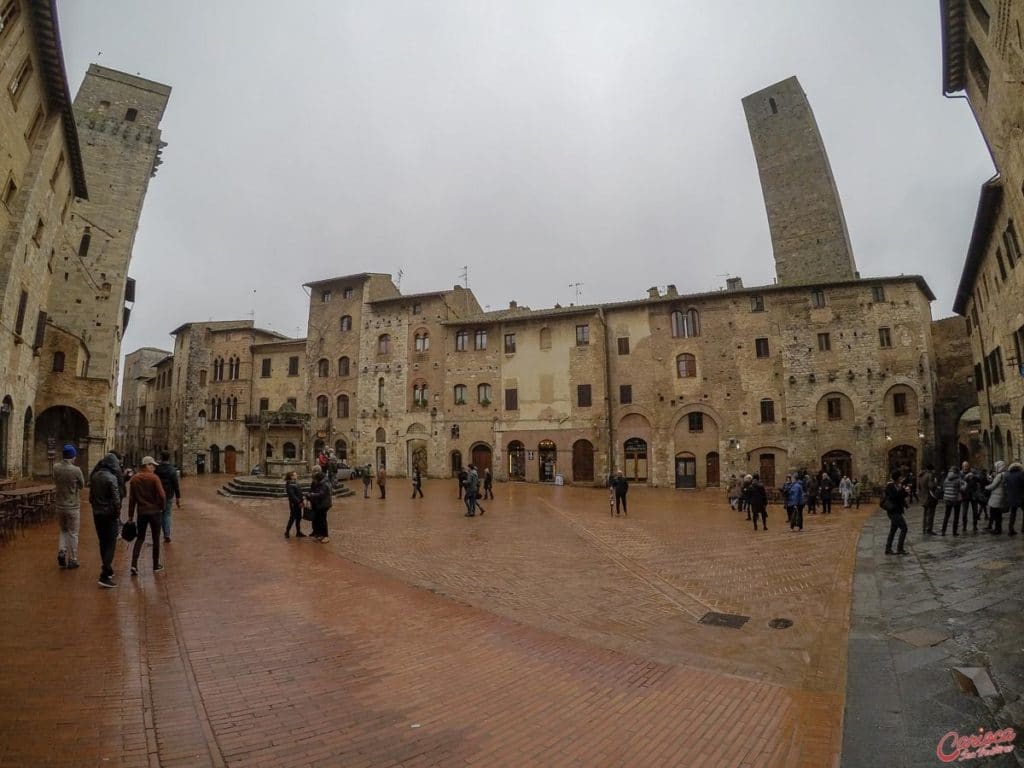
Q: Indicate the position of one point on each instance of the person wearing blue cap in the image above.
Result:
(70, 482)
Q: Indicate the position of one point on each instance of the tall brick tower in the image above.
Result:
(118, 117)
(805, 216)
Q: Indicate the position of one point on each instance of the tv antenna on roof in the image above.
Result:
(579, 290)
(399, 280)
(465, 276)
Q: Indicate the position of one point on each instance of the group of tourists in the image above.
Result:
(970, 494)
(151, 492)
(800, 491)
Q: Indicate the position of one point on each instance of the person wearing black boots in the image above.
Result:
(291, 487)
(758, 502)
(894, 502)
(1014, 494)
(997, 498)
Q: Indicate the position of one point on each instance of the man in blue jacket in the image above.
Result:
(795, 502)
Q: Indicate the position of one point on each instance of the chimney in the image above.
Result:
(734, 283)
(652, 293)
(671, 291)
(513, 305)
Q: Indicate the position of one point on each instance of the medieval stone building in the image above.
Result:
(65, 245)
(983, 59)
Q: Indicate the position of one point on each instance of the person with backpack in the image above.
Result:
(894, 502)
(320, 498)
(105, 494)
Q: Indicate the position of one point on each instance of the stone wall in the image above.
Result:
(955, 393)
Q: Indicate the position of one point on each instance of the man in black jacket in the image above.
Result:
(168, 474)
(105, 494)
(621, 486)
(758, 502)
(1014, 494)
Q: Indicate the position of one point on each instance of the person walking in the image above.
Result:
(794, 500)
(367, 481)
(845, 491)
(320, 496)
(953, 489)
(812, 495)
(463, 475)
(168, 474)
(855, 489)
(784, 493)
(973, 498)
(146, 496)
(997, 498)
(382, 481)
(894, 502)
(620, 485)
(417, 482)
(332, 467)
(1014, 494)
(488, 484)
(69, 482)
(745, 494)
(294, 492)
(825, 488)
(930, 490)
(105, 494)
(732, 491)
(758, 502)
(472, 486)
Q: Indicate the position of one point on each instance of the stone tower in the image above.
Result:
(805, 216)
(118, 117)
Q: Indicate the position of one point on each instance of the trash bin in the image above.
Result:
(559, 479)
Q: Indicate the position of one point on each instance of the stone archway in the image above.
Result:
(55, 427)
(481, 457)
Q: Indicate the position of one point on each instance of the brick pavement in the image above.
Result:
(561, 637)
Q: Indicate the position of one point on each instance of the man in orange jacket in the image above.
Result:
(146, 494)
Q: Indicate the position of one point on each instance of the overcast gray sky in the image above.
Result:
(542, 143)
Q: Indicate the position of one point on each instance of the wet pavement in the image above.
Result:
(955, 602)
(544, 633)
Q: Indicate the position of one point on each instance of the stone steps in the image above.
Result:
(248, 486)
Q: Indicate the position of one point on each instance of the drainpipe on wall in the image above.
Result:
(608, 390)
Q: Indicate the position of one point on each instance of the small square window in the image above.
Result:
(624, 345)
(767, 411)
(417, 309)
(757, 303)
(325, 296)
(625, 394)
(835, 408)
(884, 338)
(264, 404)
(347, 293)
(824, 342)
(583, 395)
(582, 335)
(899, 403)
(130, 115)
(695, 422)
(461, 341)
(510, 343)
(878, 293)
(761, 347)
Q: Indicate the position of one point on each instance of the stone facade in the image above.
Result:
(41, 172)
(805, 217)
(956, 396)
(983, 58)
(136, 408)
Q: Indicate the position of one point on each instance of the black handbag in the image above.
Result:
(307, 512)
(129, 531)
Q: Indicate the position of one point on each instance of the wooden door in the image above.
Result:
(582, 462)
(481, 458)
(712, 470)
(229, 460)
(767, 469)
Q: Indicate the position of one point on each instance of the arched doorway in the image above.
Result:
(341, 450)
(547, 461)
(516, 461)
(686, 470)
(381, 435)
(215, 459)
(456, 463)
(903, 458)
(843, 462)
(230, 459)
(288, 450)
(6, 408)
(635, 465)
(582, 461)
(382, 457)
(26, 445)
(712, 467)
(417, 456)
(56, 426)
(481, 453)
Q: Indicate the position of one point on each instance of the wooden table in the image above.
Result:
(22, 505)
(7, 483)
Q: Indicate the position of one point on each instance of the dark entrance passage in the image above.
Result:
(904, 458)
(686, 470)
(56, 426)
(582, 462)
(456, 463)
(547, 459)
(516, 461)
(215, 459)
(712, 470)
(481, 458)
(842, 460)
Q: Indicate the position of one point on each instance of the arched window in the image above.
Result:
(545, 338)
(346, 323)
(323, 368)
(384, 344)
(381, 436)
(202, 417)
(321, 405)
(236, 366)
(215, 406)
(341, 449)
(288, 450)
(343, 366)
(460, 394)
(420, 394)
(461, 341)
(342, 406)
(483, 394)
(422, 341)
(218, 369)
(234, 409)
(380, 393)
(686, 366)
(58, 362)
(685, 324)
